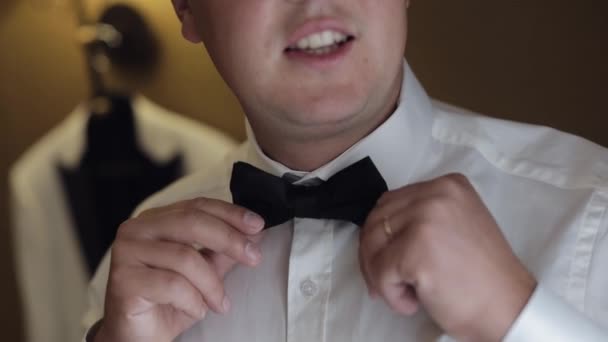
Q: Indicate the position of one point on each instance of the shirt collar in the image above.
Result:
(396, 147)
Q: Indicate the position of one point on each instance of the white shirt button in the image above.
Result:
(308, 288)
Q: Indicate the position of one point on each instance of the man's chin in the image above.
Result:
(322, 124)
(324, 115)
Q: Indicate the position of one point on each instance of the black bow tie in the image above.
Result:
(349, 195)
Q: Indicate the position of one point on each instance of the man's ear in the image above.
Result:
(184, 13)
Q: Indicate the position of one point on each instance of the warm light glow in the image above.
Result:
(49, 4)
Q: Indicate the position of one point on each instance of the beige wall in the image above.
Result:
(540, 61)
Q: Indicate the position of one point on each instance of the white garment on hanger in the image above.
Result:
(50, 267)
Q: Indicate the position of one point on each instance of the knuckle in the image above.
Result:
(188, 257)
(174, 283)
(191, 219)
(372, 219)
(231, 236)
(456, 176)
(118, 276)
(215, 288)
(423, 232)
(200, 202)
(201, 307)
(453, 183)
(234, 214)
(439, 206)
(120, 247)
(384, 198)
(237, 212)
(459, 178)
(126, 228)
(236, 243)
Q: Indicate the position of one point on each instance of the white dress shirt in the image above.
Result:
(547, 190)
(51, 268)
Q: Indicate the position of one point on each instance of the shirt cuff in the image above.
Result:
(547, 317)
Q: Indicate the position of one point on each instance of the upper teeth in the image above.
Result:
(320, 40)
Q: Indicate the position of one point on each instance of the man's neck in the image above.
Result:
(326, 143)
(309, 155)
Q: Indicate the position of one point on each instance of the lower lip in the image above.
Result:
(323, 61)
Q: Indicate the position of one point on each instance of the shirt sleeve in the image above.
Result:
(547, 317)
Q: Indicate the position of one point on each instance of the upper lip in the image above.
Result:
(316, 26)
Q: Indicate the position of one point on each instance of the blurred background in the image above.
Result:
(540, 61)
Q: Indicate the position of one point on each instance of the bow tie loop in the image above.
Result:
(300, 197)
(348, 195)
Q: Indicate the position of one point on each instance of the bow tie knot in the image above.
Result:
(349, 195)
(301, 198)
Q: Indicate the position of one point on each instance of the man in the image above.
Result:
(490, 230)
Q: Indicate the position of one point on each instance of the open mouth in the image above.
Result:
(320, 43)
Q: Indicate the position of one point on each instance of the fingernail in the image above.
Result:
(253, 252)
(226, 304)
(254, 220)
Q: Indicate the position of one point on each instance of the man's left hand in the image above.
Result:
(436, 245)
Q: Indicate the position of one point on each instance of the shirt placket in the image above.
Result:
(309, 280)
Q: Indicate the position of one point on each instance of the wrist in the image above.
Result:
(503, 312)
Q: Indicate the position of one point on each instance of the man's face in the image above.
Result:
(303, 64)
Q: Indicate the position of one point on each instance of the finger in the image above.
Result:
(222, 263)
(186, 261)
(391, 199)
(401, 298)
(373, 238)
(396, 200)
(377, 236)
(158, 210)
(196, 228)
(365, 273)
(150, 287)
(391, 282)
(243, 219)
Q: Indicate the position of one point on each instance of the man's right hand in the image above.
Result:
(168, 266)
